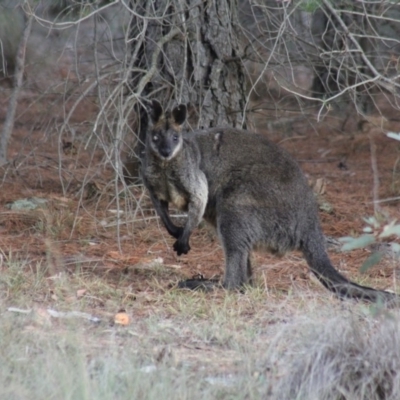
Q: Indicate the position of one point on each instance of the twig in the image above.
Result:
(349, 34)
(388, 200)
(69, 24)
(374, 166)
(153, 69)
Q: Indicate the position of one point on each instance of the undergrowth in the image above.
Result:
(188, 345)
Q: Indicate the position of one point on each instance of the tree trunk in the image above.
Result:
(199, 60)
(186, 52)
(17, 84)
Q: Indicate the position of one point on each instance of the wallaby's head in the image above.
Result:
(164, 138)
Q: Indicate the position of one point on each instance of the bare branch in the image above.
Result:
(69, 24)
(153, 65)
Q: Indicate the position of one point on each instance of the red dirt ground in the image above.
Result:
(75, 229)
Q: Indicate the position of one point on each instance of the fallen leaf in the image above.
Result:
(80, 293)
(320, 186)
(122, 318)
(42, 317)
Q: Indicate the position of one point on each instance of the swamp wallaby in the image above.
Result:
(252, 191)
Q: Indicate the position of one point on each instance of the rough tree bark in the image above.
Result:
(186, 51)
(199, 60)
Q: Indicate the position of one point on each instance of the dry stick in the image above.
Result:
(68, 24)
(374, 166)
(153, 66)
(12, 105)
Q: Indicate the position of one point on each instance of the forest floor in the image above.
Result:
(74, 254)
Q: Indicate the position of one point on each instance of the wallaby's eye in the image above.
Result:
(155, 138)
(175, 138)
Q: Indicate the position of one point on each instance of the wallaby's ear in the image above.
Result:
(156, 111)
(179, 114)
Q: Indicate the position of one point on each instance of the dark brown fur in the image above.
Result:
(250, 190)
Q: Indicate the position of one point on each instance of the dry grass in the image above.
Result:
(187, 345)
(336, 356)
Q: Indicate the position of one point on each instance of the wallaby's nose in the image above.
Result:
(165, 152)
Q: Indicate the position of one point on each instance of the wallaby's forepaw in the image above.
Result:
(177, 232)
(181, 247)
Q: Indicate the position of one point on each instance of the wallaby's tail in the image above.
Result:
(320, 264)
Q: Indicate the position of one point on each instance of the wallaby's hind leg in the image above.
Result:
(237, 267)
(237, 251)
(249, 271)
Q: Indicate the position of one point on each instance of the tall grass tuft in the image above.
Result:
(338, 358)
